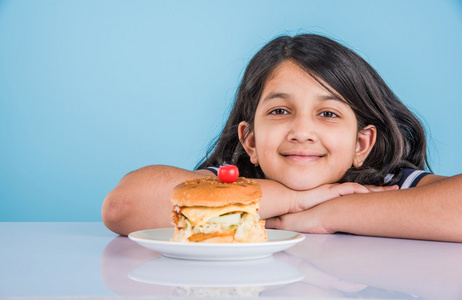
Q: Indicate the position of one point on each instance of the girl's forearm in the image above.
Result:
(431, 212)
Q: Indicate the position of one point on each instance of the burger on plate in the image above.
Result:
(207, 210)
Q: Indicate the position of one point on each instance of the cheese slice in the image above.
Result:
(199, 215)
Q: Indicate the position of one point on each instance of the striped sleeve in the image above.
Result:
(213, 169)
(411, 178)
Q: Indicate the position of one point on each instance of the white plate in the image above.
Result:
(159, 240)
(193, 273)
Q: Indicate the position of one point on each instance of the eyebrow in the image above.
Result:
(332, 97)
(276, 95)
(287, 96)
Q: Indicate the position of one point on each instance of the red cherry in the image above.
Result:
(228, 173)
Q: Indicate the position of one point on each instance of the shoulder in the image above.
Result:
(430, 178)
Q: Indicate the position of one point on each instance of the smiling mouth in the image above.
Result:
(302, 157)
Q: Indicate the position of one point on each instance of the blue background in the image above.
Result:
(91, 90)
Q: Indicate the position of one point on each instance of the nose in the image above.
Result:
(303, 129)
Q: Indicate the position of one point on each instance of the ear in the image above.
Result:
(364, 144)
(248, 142)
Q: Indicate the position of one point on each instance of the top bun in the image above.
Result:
(212, 192)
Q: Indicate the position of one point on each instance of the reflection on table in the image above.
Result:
(322, 266)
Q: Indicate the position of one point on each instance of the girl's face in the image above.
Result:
(304, 136)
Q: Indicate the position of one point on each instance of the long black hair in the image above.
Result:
(400, 136)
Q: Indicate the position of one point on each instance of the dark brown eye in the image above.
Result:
(279, 111)
(328, 114)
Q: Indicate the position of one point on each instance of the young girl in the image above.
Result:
(332, 147)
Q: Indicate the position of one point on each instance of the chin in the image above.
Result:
(299, 185)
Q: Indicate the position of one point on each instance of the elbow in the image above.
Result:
(113, 213)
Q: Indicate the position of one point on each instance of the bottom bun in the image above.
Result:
(255, 234)
(201, 237)
(220, 239)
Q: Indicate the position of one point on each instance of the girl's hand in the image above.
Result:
(308, 221)
(305, 214)
(304, 200)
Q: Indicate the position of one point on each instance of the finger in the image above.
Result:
(374, 188)
(284, 222)
(349, 188)
(273, 223)
(299, 222)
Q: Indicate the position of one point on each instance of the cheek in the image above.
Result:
(265, 149)
(267, 139)
(343, 145)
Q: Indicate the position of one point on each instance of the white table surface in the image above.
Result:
(86, 260)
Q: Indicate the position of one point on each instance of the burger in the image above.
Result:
(207, 210)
